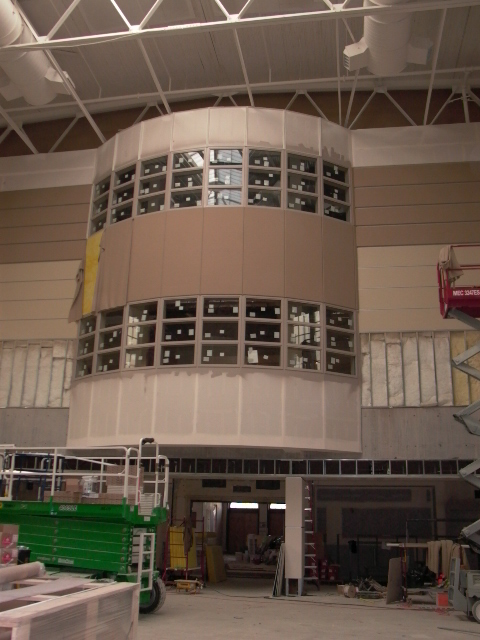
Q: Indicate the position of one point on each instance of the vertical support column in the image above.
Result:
(295, 531)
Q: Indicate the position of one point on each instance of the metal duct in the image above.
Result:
(26, 74)
(386, 46)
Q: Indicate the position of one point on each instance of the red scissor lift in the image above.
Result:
(462, 302)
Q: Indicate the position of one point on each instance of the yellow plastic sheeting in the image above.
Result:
(215, 564)
(460, 380)
(178, 559)
(91, 268)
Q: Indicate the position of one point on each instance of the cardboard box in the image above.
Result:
(71, 484)
(8, 536)
(119, 479)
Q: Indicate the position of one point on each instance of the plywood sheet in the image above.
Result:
(146, 260)
(304, 257)
(52, 196)
(412, 234)
(339, 264)
(264, 252)
(182, 260)
(222, 251)
(417, 213)
(437, 173)
(417, 194)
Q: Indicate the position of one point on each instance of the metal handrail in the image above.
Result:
(56, 457)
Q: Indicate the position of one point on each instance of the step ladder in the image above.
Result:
(311, 566)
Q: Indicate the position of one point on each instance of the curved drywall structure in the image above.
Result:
(284, 390)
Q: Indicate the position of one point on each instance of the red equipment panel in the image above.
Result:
(463, 298)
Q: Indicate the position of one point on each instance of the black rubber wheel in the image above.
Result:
(157, 598)
(476, 611)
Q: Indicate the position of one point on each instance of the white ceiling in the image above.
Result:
(279, 54)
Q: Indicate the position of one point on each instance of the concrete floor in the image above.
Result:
(243, 609)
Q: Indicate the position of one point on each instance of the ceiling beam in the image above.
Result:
(154, 76)
(66, 80)
(222, 9)
(364, 82)
(235, 22)
(438, 40)
(402, 111)
(447, 101)
(149, 14)
(64, 134)
(352, 94)
(370, 98)
(18, 130)
(244, 9)
(63, 18)
(121, 14)
(315, 105)
(244, 68)
(5, 133)
(339, 91)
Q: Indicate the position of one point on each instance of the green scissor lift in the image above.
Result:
(112, 541)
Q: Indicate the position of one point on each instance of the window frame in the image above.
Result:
(353, 332)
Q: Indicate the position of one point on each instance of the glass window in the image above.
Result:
(178, 328)
(98, 223)
(188, 159)
(181, 199)
(225, 182)
(260, 158)
(101, 188)
(112, 318)
(152, 185)
(304, 335)
(86, 346)
(110, 339)
(262, 356)
(220, 331)
(340, 341)
(87, 325)
(335, 192)
(109, 361)
(141, 330)
(143, 312)
(226, 156)
(141, 334)
(298, 182)
(339, 318)
(121, 213)
(304, 330)
(154, 166)
(84, 367)
(262, 325)
(220, 307)
(225, 197)
(150, 205)
(302, 163)
(178, 331)
(260, 198)
(100, 205)
(340, 363)
(302, 202)
(224, 354)
(225, 332)
(187, 179)
(304, 312)
(337, 211)
(178, 355)
(227, 177)
(258, 308)
(143, 357)
(180, 308)
(264, 178)
(262, 332)
(122, 195)
(304, 359)
(335, 172)
(125, 175)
